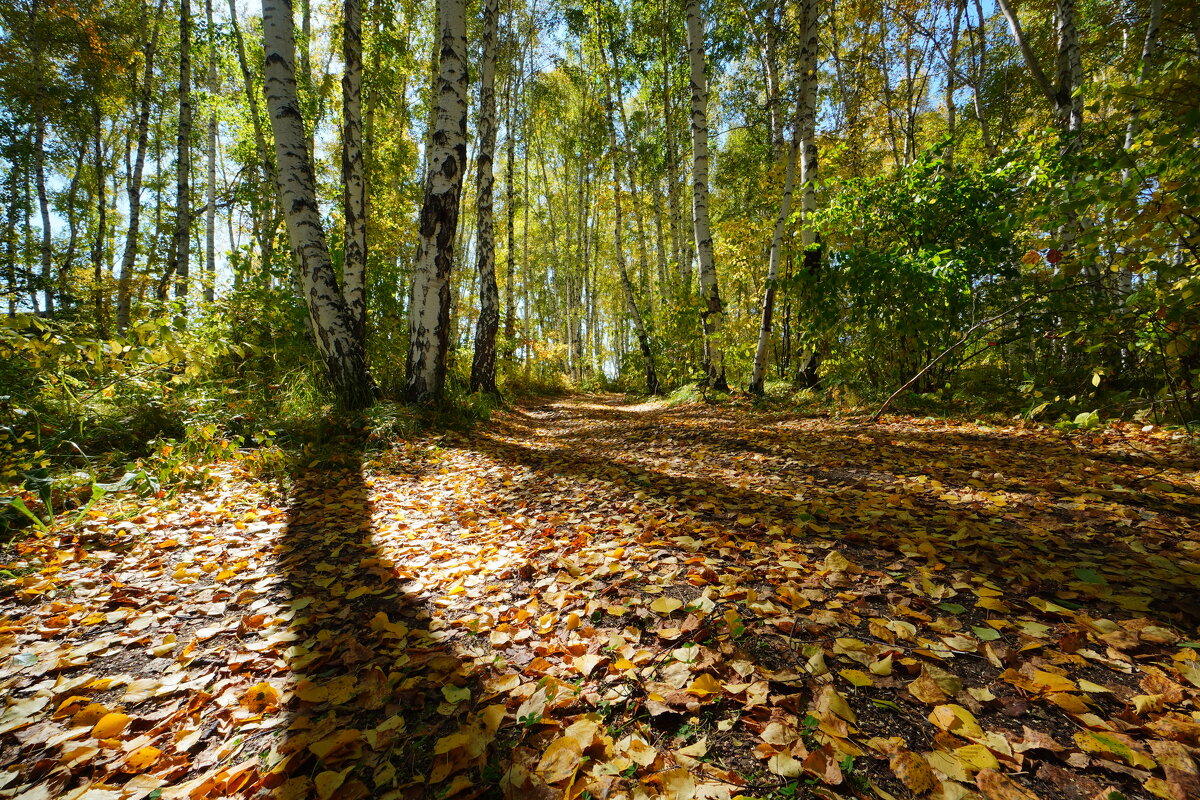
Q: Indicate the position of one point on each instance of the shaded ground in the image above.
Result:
(630, 601)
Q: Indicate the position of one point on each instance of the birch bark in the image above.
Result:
(210, 208)
(129, 255)
(178, 265)
(635, 313)
(354, 197)
(333, 331)
(483, 363)
(429, 308)
(711, 317)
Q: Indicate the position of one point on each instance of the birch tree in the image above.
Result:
(635, 314)
(178, 264)
(210, 183)
(142, 123)
(354, 198)
(429, 305)
(711, 316)
(333, 329)
(483, 363)
(807, 129)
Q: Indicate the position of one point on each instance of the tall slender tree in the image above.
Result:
(210, 180)
(712, 315)
(429, 306)
(354, 178)
(808, 373)
(178, 266)
(635, 313)
(483, 363)
(333, 329)
(142, 124)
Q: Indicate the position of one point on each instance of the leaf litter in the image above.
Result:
(589, 599)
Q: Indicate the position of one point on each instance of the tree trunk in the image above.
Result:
(759, 372)
(129, 256)
(46, 252)
(39, 163)
(1070, 69)
(985, 136)
(1150, 44)
(711, 316)
(266, 163)
(429, 309)
(354, 198)
(333, 331)
(806, 124)
(510, 188)
(210, 207)
(683, 264)
(952, 84)
(178, 265)
(101, 221)
(619, 240)
(483, 364)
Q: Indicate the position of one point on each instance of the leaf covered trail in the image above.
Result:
(635, 602)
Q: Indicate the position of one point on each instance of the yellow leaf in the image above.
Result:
(996, 786)
(1050, 682)
(560, 760)
(666, 605)
(785, 765)
(1116, 744)
(260, 697)
(705, 684)
(857, 677)
(957, 720)
(830, 700)
(976, 757)
(310, 692)
(882, 667)
(456, 694)
(142, 759)
(329, 782)
(111, 725)
(677, 784)
(914, 772)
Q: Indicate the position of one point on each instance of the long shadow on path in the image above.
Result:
(368, 673)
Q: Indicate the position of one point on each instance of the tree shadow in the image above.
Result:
(870, 502)
(367, 669)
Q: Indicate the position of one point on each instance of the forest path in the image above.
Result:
(632, 600)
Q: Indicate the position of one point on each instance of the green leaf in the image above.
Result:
(986, 634)
(1089, 576)
(953, 608)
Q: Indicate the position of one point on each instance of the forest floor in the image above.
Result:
(586, 598)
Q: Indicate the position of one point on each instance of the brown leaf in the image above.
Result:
(996, 786)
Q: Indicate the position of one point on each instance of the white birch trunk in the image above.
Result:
(483, 362)
(635, 313)
(340, 349)
(806, 124)
(1070, 69)
(429, 308)
(129, 256)
(711, 316)
(759, 372)
(1149, 46)
(210, 209)
(354, 198)
(183, 162)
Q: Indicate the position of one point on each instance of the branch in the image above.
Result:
(967, 337)
(1030, 59)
